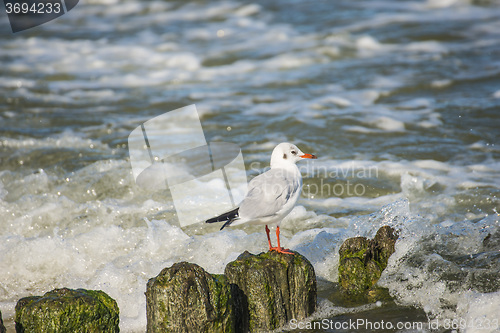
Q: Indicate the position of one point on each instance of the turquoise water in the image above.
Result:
(400, 100)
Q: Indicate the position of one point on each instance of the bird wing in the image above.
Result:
(268, 193)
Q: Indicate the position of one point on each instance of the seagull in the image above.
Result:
(271, 195)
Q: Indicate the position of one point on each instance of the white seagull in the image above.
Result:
(271, 195)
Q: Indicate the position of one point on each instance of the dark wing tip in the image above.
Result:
(212, 220)
(226, 217)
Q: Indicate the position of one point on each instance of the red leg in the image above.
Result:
(279, 249)
(268, 238)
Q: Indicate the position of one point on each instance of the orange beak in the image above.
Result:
(309, 156)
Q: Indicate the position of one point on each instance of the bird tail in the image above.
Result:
(228, 217)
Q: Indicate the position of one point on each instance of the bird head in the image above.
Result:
(286, 153)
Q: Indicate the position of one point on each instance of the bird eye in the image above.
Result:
(294, 152)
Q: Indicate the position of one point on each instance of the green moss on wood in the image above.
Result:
(67, 310)
(2, 328)
(273, 287)
(185, 298)
(362, 262)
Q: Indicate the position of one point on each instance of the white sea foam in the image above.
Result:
(479, 312)
(427, 47)
(441, 83)
(67, 139)
(408, 280)
(445, 3)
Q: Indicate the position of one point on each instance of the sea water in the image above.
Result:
(400, 100)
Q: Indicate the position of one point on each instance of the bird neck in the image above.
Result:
(290, 167)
